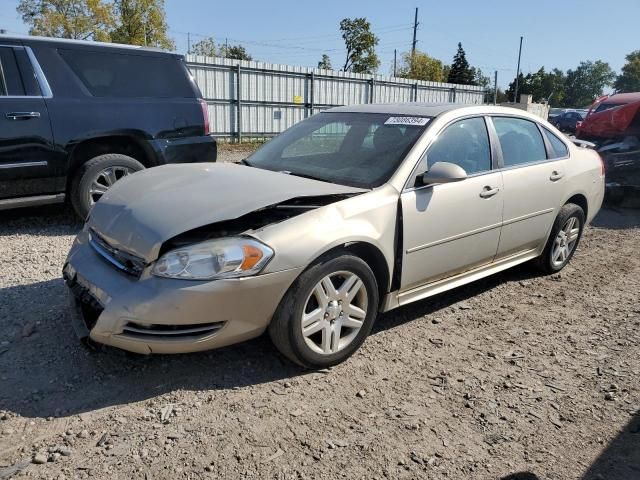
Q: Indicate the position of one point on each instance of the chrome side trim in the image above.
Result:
(480, 230)
(42, 163)
(6, 204)
(454, 237)
(527, 216)
(104, 254)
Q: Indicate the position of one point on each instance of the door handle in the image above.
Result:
(489, 191)
(555, 176)
(22, 115)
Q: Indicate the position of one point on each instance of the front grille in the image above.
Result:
(126, 262)
(168, 332)
(90, 307)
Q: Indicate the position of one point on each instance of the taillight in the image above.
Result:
(205, 115)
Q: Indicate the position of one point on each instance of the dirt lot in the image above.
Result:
(517, 376)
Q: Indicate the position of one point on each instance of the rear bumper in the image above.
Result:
(155, 315)
(185, 150)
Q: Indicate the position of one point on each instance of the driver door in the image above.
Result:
(454, 227)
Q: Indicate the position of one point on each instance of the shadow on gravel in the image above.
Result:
(617, 218)
(48, 220)
(443, 300)
(44, 371)
(621, 458)
(521, 476)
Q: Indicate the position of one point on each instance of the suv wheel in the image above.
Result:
(327, 313)
(564, 238)
(96, 176)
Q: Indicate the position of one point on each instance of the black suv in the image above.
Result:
(77, 116)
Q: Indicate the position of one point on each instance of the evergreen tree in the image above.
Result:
(460, 72)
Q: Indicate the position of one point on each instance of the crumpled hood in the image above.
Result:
(142, 211)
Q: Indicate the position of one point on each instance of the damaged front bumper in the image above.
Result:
(156, 315)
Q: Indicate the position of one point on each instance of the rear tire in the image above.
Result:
(96, 176)
(563, 240)
(327, 313)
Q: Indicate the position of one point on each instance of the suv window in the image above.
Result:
(107, 74)
(521, 141)
(560, 149)
(465, 143)
(10, 79)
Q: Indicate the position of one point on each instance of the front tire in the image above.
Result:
(96, 176)
(563, 240)
(327, 313)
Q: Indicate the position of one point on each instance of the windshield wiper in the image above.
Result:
(245, 162)
(304, 175)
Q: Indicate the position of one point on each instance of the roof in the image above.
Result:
(83, 43)
(432, 109)
(412, 108)
(623, 98)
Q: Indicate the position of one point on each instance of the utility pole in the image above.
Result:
(413, 43)
(515, 95)
(495, 87)
(188, 42)
(395, 58)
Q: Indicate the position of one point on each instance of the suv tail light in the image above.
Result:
(205, 116)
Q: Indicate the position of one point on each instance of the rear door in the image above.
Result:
(27, 154)
(534, 183)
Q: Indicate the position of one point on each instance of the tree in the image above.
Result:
(325, 62)
(461, 73)
(206, 47)
(542, 85)
(141, 22)
(480, 79)
(77, 19)
(236, 52)
(587, 82)
(420, 66)
(629, 79)
(360, 43)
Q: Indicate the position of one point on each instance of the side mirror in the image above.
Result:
(443, 172)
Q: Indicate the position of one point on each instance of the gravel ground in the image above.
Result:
(517, 376)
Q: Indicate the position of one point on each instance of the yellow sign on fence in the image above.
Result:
(297, 99)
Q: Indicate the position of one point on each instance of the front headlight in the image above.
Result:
(221, 258)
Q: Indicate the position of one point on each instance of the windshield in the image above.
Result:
(355, 149)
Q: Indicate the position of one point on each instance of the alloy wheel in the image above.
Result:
(105, 180)
(334, 312)
(565, 242)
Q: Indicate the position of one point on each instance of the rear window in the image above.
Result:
(560, 149)
(107, 74)
(607, 106)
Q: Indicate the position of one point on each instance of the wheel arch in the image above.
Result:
(125, 144)
(369, 253)
(580, 200)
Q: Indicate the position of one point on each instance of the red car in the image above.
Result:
(613, 124)
(611, 117)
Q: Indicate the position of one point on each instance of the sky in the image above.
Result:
(557, 33)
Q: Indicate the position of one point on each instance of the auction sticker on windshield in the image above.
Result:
(418, 121)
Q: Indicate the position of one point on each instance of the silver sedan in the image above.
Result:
(351, 212)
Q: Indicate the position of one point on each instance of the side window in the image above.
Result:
(521, 141)
(10, 79)
(465, 143)
(109, 74)
(560, 149)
